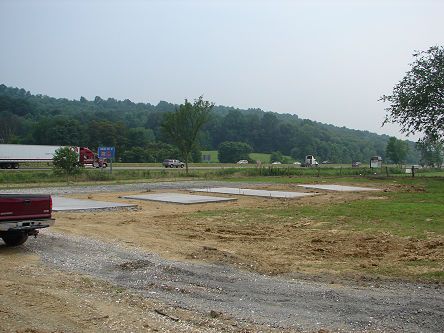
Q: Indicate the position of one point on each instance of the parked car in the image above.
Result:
(242, 162)
(277, 162)
(297, 163)
(173, 164)
(356, 164)
(326, 162)
(416, 166)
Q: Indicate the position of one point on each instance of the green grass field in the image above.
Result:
(415, 210)
(408, 218)
(264, 158)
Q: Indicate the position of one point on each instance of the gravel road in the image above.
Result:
(177, 185)
(277, 302)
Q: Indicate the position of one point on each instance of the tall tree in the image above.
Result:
(9, 126)
(139, 137)
(417, 101)
(396, 150)
(231, 152)
(432, 152)
(182, 126)
(276, 156)
(107, 133)
(59, 130)
(270, 130)
(233, 126)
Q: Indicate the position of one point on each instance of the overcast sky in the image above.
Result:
(328, 61)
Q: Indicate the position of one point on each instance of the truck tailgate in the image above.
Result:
(15, 207)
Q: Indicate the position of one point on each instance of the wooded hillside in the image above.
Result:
(134, 129)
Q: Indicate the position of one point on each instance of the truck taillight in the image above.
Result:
(50, 204)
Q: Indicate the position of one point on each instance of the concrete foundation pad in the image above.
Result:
(340, 188)
(179, 198)
(256, 193)
(68, 204)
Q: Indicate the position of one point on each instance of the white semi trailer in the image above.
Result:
(11, 155)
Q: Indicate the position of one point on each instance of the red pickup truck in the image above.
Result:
(21, 215)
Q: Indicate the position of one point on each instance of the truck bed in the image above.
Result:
(17, 207)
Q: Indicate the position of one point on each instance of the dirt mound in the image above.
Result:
(134, 265)
(212, 254)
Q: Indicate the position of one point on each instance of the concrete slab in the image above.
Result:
(256, 193)
(68, 204)
(340, 188)
(179, 198)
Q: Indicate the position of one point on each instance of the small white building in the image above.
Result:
(376, 162)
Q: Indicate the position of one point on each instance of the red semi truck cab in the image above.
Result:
(88, 157)
(21, 215)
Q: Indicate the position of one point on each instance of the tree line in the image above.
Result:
(417, 105)
(135, 129)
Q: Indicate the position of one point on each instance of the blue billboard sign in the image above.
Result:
(106, 152)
